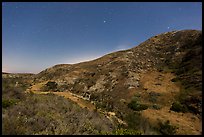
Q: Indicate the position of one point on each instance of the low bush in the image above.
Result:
(106, 105)
(166, 128)
(175, 79)
(7, 103)
(178, 107)
(51, 114)
(157, 107)
(153, 96)
(50, 85)
(136, 121)
(126, 132)
(134, 105)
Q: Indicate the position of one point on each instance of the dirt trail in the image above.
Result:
(77, 99)
(82, 103)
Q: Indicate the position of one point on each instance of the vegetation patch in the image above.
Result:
(153, 96)
(50, 85)
(178, 107)
(7, 103)
(188, 101)
(134, 105)
(155, 106)
(175, 79)
(106, 105)
(166, 128)
(51, 115)
(137, 122)
(122, 131)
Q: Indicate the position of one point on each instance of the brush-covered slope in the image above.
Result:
(163, 73)
(178, 51)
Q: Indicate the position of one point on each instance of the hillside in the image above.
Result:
(158, 80)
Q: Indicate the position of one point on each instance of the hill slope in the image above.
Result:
(179, 52)
(159, 79)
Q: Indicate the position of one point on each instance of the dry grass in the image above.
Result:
(161, 83)
(187, 122)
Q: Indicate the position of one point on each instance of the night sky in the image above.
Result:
(38, 35)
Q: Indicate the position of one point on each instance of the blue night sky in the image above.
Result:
(38, 35)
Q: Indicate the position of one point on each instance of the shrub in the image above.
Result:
(175, 80)
(178, 107)
(18, 93)
(106, 105)
(46, 114)
(50, 86)
(94, 97)
(7, 103)
(192, 104)
(126, 132)
(99, 105)
(136, 121)
(121, 131)
(136, 106)
(62, 88)
(166, 128)
(133, 120)
(153, 96)
(157, 107)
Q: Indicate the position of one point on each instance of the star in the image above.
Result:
(168, 27)
(104, 21)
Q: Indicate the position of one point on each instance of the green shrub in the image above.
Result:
(106, 105)
(166, 128)
(133, 120)
(157, 107)
(18, 93)
(62, 88)
(193, 104)
(178, 107)
(136, 106)
(126, 132)
(136, 121)
(50, 86)
(153, 96)
(175, 80)
(7, 103)
(38, 114)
